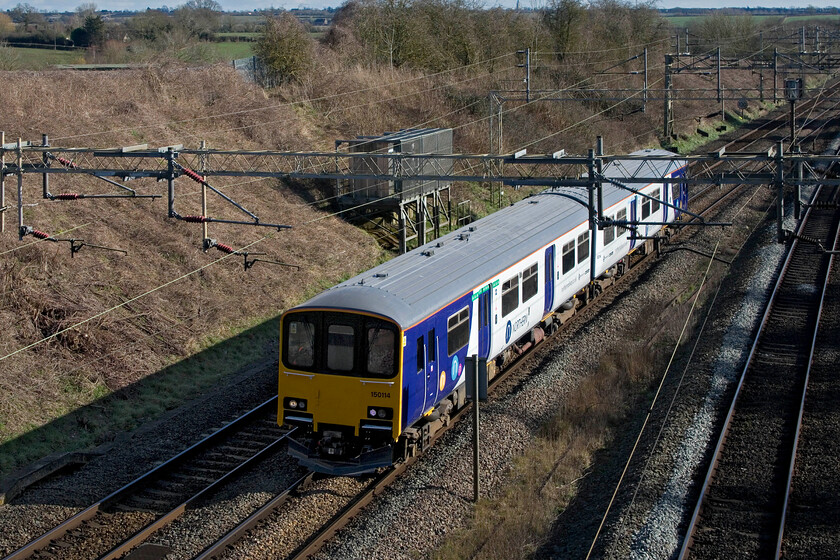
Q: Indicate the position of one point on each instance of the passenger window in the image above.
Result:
(340, 345)
(432, 346)
(655, 203)
(380, 351)
(621, 217)
(568, 256)
(530, 285)
(421, 355)
(583, 247)
(609, 234)
(458, 331)
(510, 295)
(300, 348)
(645, 207)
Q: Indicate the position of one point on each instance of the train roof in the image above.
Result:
(411, 286)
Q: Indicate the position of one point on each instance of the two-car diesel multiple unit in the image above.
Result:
(370, 367)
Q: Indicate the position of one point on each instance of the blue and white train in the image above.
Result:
(370, 367)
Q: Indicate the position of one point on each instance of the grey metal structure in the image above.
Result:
(417, 205)
(549, 170)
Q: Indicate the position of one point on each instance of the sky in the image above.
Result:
(70, 5)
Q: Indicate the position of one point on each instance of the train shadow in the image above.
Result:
(138, 426)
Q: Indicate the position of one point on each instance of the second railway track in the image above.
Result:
(743, 500)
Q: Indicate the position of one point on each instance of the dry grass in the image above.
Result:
(544, 480)
(45, 291)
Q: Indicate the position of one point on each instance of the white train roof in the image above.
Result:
(414, 285)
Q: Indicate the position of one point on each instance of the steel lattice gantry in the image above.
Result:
(558, 171)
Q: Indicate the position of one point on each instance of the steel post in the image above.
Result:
(780, 191)
(20, 187)
(45, 142)
(421, 220)
(645, 92)
(667, 130)
(2, 182)
(476, 484)
(593, 222)
(775, 75)
(403, 242)
(528, 75)
(203, 170)
(797, 203)
(170, 180)
(599, 168)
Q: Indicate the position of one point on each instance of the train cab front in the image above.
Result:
(340, 385)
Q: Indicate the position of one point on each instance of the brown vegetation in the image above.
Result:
(106, 337)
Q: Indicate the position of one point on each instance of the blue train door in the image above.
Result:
(666, 188)
(683, 196)
(432, 372)
(484, 323)
(415, 395)
(549, 279)
(633, 219)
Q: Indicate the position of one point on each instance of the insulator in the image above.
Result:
(224, 248)
(193, 175)
(40, 234)
(67, 196)
(195, 219)
(809, 239)
(65, 162)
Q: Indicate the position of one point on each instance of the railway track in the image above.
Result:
(813, 512)
(151, 508)
(326, 530)
(126, 518)
(742, 503)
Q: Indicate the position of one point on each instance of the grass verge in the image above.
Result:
(103, 414)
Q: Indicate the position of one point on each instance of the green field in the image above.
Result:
(19, 58)
(688, 21)
(231, 51)
(14, 58)
(252, 35)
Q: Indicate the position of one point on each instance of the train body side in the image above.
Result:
(481, 290)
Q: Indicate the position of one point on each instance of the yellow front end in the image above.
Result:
(333, 400)
(339, 383)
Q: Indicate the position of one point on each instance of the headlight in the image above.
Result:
(382, 412)
(297, 404)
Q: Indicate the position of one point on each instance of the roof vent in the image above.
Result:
(381, 275)
(464, 237)
(428, 253)
(472, 228)
(439, 244)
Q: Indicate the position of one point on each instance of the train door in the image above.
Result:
(415, 395)
(549, 279)
(666, 188)
(683, 203)
(633, 221)
(432, 372)
(484, 323)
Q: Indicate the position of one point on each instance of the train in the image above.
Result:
(371, 368)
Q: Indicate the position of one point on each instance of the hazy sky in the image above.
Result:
(69, 5)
